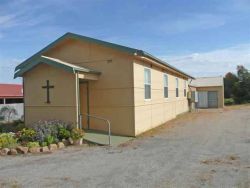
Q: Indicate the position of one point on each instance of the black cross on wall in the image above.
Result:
(48, 87)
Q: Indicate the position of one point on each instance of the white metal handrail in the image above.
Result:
(104, 119)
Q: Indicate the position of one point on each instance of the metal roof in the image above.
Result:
(132, 51)
(207, 81)
(11, 90)
(56, 63)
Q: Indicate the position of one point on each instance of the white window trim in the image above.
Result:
(147, 83)
(164, 86)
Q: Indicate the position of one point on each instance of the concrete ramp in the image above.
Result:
(101, 138)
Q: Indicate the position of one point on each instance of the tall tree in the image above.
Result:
(229, 80)
(241, 88)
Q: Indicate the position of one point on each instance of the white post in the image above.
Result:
(4, 101)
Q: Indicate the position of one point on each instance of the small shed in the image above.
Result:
(210, 91)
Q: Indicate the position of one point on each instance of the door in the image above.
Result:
(212, 99)
(202, 99)
(84, 103)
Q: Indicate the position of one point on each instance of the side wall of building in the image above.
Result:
(158, 110)
(62, 96)
(219, 89)
(111, 96)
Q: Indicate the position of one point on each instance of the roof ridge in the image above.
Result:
(129, 50)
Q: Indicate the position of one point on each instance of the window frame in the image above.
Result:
(165, 75)
(147, 84)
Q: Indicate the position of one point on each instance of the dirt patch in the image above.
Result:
(9, 184)
(227, 160)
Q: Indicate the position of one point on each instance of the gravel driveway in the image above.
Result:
(203, 149)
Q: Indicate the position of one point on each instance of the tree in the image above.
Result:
(229, 80)
(241, 89)
(8, 112)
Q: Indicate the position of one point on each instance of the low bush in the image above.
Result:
(77, 133)
(63, 133)
(26, 135)
(43, 144)
(229, 101)
(32, 144)
(8, 140)
(14, 126)
(49, 140)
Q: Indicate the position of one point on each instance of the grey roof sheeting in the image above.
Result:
(207, 81)
(132, 51)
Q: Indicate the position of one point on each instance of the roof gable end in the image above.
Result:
(76, 37)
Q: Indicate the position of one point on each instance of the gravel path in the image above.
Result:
(204, 149)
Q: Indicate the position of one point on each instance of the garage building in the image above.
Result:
(210, 91)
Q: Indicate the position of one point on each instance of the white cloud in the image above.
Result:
(7, 20)
(217, 62)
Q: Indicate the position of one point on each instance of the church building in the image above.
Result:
(76, 76)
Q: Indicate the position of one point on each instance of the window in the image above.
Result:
(165, 82)
(147, 83)
(185, 88)
(177, 87)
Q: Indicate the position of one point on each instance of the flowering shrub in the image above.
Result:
(49, 128)
(8, 140)
(77, 133)
(26, 135)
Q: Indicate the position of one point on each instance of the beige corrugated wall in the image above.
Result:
(63, 96)
(112, 95)
(158, 110)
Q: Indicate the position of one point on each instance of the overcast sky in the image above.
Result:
(200, 37)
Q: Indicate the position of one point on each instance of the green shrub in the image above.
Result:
(50, 139)
(32, 144)
(63, 133)
(8, 140)
(229, 101)
(14, 126)
(77, 133)
(43, 144)
(26, 135)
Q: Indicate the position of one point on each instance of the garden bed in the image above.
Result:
(41, 137)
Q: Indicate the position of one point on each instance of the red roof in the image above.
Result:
(11, 90)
